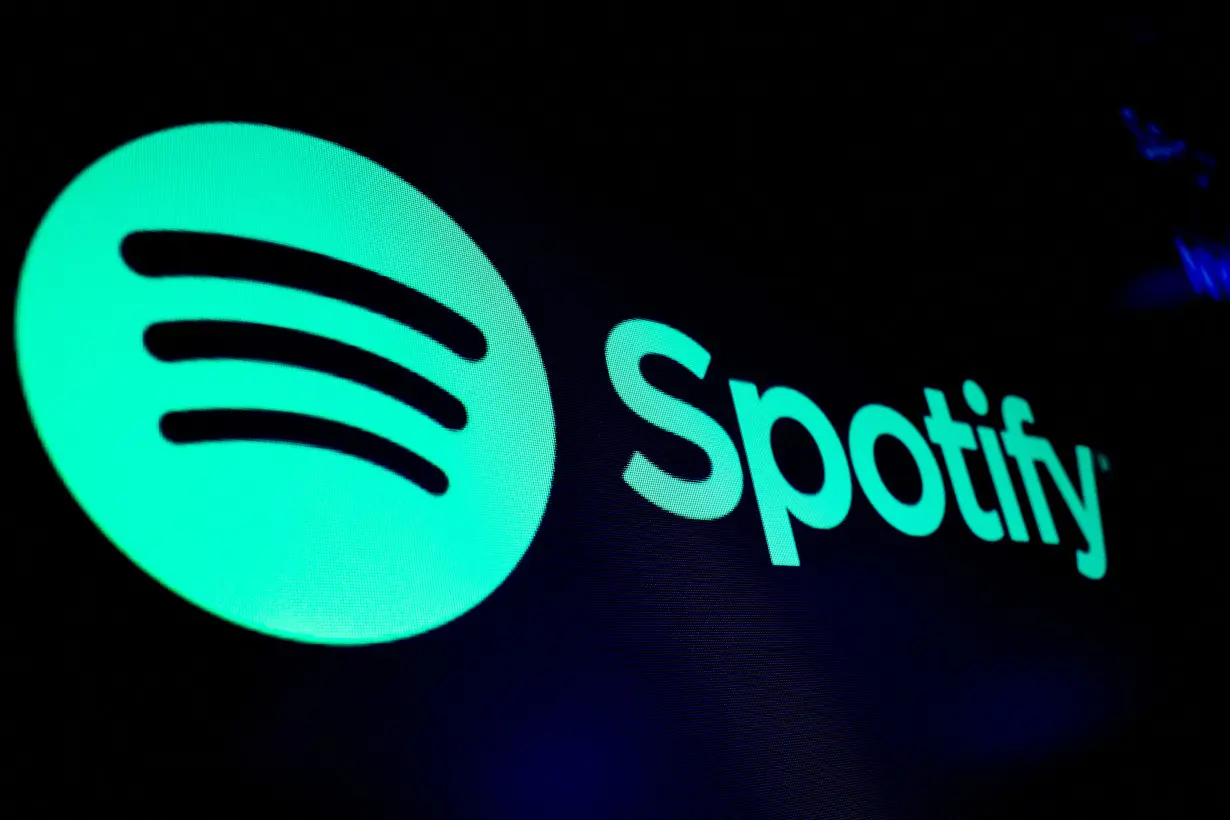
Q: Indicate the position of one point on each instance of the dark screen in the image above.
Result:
(857, 207)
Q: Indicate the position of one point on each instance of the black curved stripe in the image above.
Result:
(195, 426)
(181, 341)
(189, 253)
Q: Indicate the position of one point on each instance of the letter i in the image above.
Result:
(1000, 477)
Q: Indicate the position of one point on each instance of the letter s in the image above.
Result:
(711, 497)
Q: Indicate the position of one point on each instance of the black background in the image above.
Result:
(854, 205)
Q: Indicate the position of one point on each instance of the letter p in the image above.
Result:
(777, 499)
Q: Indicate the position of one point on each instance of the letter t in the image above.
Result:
(954, 438)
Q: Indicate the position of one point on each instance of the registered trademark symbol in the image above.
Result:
(1103, 462)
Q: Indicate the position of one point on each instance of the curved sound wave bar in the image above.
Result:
(188, 253)
(196, 426)
(207, 339)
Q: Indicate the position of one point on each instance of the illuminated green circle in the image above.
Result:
(292, 540)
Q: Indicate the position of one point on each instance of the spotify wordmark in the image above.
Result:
(756, 412)
(285, 383)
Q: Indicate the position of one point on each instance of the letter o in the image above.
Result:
(920, 518)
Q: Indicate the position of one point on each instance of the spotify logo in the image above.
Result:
(295, 392)
(285, 384)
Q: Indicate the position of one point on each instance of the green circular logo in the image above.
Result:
(285, 383)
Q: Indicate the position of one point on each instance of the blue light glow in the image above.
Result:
(1166, 288)
(1207, 266)
(1150, 140)
(1023, 710)
(1155, 146)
